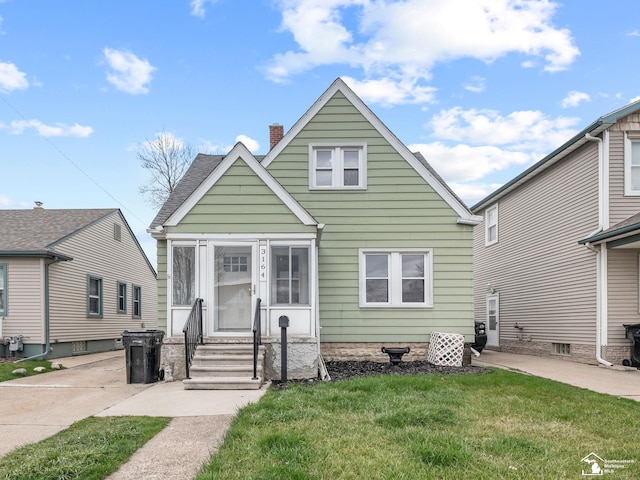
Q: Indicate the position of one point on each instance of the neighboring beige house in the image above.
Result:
(71, 281)
(556, 259)
(340, 228)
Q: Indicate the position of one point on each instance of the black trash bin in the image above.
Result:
(143, 348)
(633, 333)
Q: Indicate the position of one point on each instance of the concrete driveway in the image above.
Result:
(33, 408)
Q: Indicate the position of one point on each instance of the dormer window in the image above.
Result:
(340, 166)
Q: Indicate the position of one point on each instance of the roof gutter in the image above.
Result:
(50, 254)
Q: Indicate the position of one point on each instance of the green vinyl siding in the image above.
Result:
(399, 209)
(240, 202)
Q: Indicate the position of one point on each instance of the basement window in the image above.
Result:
(79, 346)
(561, 348)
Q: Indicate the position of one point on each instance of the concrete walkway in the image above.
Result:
(617, 380)
(34, 408)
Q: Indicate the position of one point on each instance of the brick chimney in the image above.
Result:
(276, 132)
(38, 205)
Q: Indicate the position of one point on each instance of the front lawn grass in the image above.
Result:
(7, 367)
(489, 426)
(90, 449)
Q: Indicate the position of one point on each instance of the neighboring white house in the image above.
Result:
(556, 260)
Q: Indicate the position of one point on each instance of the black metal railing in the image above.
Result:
(192, 333)
(257, 338)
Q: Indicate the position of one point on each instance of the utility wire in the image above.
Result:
(55, 147)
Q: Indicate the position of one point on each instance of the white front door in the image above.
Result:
(234, 288)
(492, 321)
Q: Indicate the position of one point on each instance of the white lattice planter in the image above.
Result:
(446, 349)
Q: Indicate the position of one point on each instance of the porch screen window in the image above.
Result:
(290, 275)
(3, 288)
(94, 296)
(341, 167)
(395, 278)
(184, 276)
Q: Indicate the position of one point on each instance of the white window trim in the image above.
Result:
(629, 140)
(338, 171)
(488, 242)
(395, 277)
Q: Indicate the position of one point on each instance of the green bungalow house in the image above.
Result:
(339, 228)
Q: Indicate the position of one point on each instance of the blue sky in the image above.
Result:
(483, 89)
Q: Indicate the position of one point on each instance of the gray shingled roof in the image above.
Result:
(200, 169)
(38, 230)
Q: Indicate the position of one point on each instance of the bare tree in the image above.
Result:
(166, 157)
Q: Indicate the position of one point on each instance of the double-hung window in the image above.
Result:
(337, 166)
(94, 296)
(632, 165)
(290, 275)
(122, 297)
(491, 225)
(396, 278)
(136, 307)
(3, 288)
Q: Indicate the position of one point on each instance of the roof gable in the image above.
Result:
(417, 164)
(239, 151)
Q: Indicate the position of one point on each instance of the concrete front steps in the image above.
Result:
(225, 366)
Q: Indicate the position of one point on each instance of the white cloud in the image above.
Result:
(11, 78)
(18, 127)
(635, 33)
(575, 98)
(248, 142)
(197, 7)
(526, 130)
(128, 73)
(220, 149)
(387, 91)
(476, 85)
(473, 193)
(5, 201)
(403, 40)
(464, 163)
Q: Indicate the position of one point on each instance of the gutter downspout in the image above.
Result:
(47, 348)
(601, 253)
